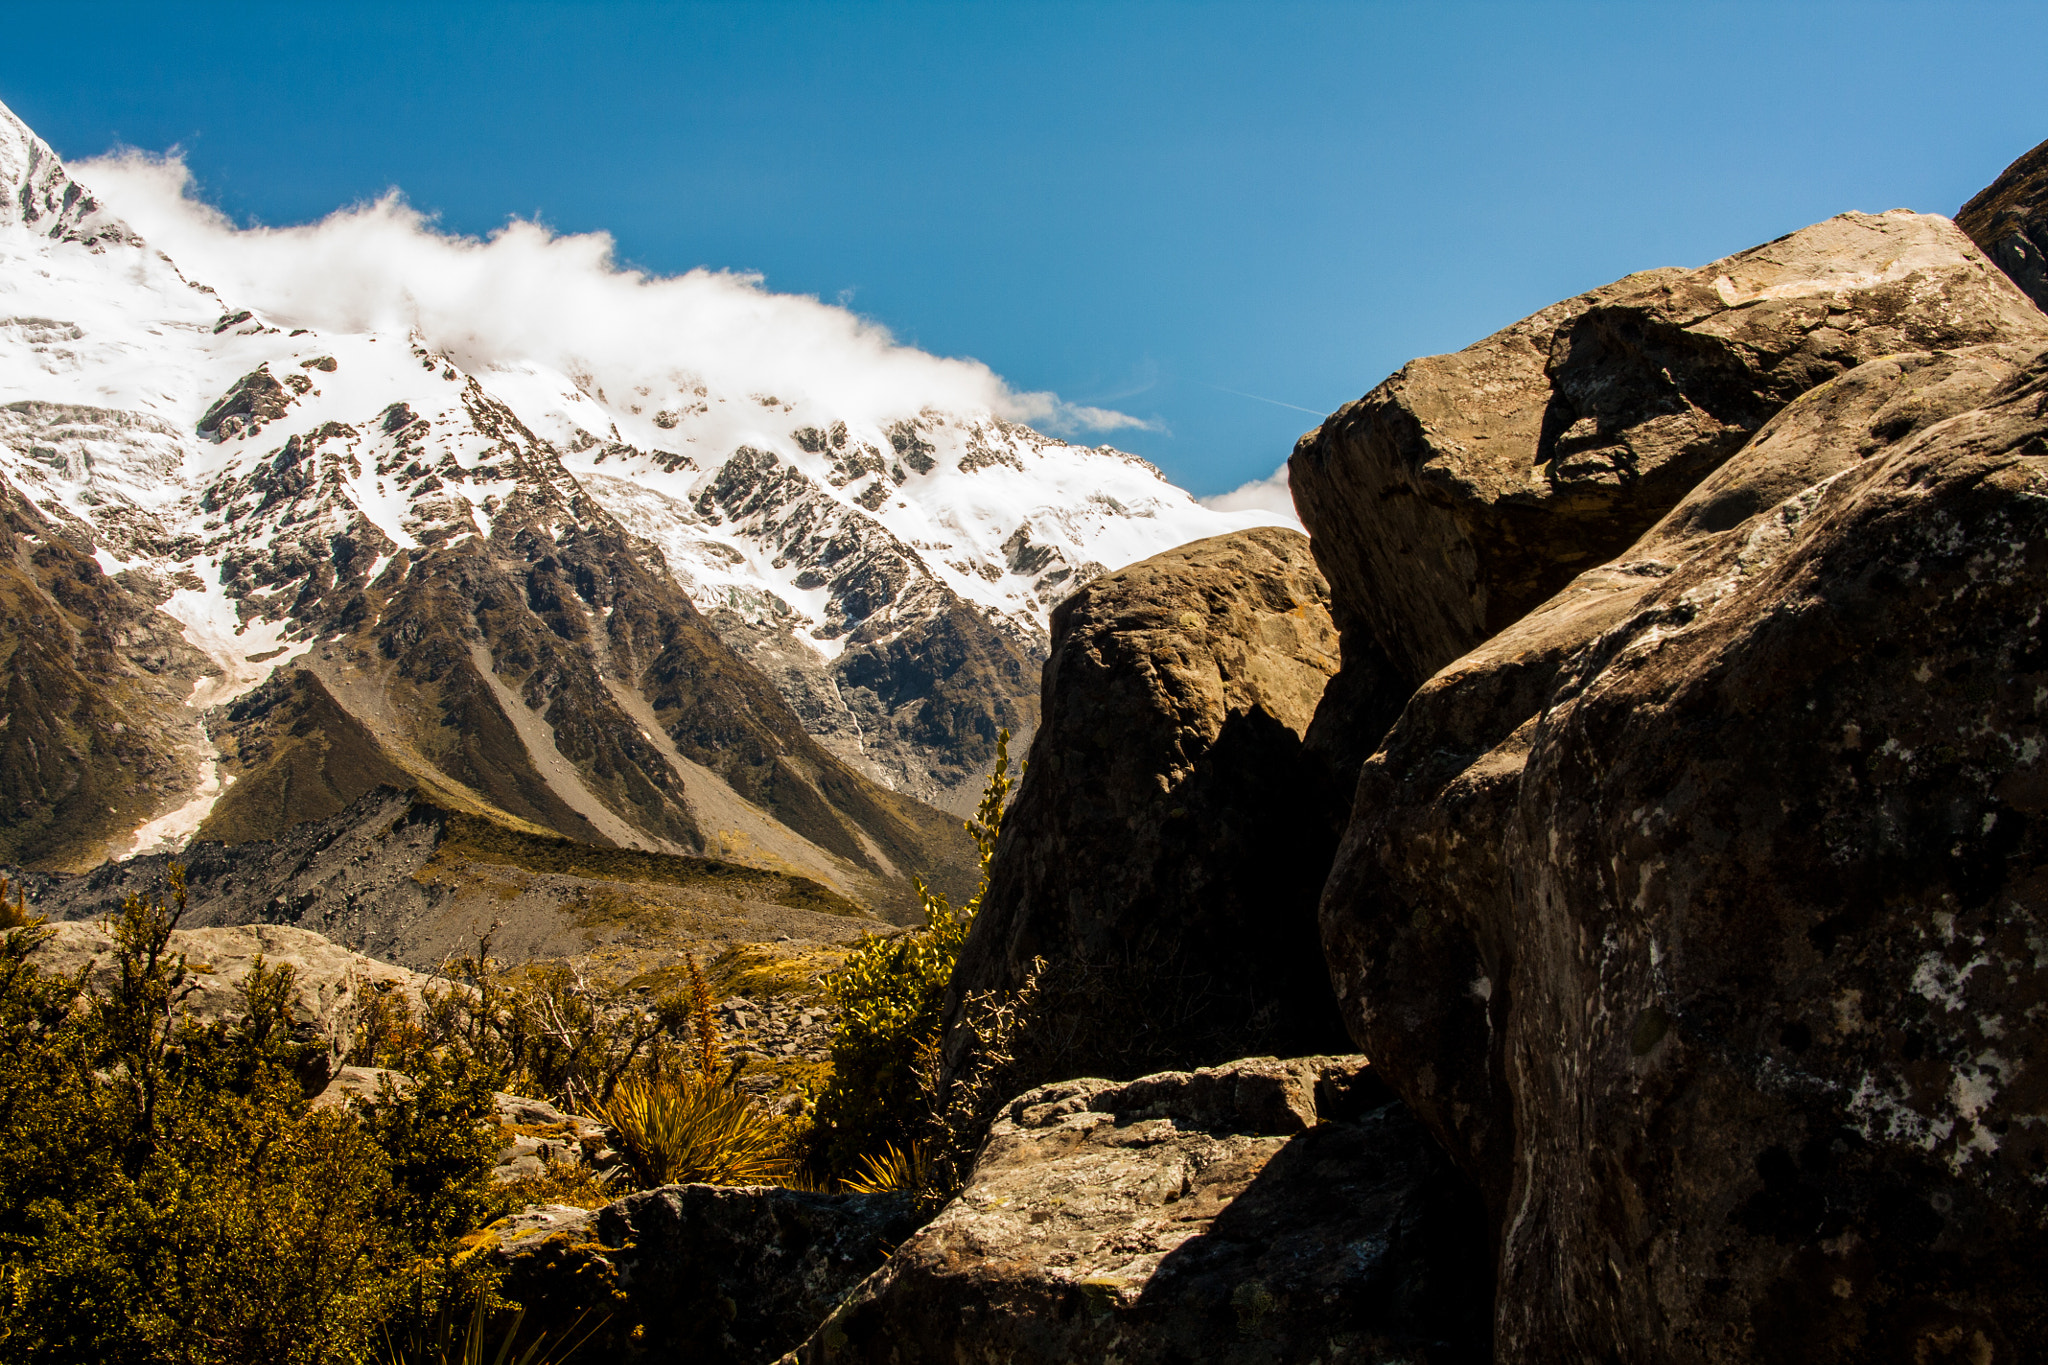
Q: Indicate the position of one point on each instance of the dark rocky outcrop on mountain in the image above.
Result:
(1263, 1211)
(2009, 219)
(1170, 834)
(918, 709)
(698, 1272)
(1468, 488)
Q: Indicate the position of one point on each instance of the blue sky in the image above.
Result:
(1140, 206)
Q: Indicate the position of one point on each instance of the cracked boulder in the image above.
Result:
(1261, 1211)
(1468, 488)
(1700, 913)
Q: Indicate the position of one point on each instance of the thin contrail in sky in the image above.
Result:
(1313, 412)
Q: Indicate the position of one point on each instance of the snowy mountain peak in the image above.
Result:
(275, 493)
(42, 197)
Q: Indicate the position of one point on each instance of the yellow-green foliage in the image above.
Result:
(166, 1194)
(890, 993)
(693, 1128)
(541, 1030)
(691, 1124)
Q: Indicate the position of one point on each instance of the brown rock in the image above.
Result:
(1170, 835)
(1263, 1211)
(1693, 912)
(2009, 219)
(1469, 488)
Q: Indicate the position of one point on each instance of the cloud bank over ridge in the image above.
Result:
(1270, 494)
(527, 294)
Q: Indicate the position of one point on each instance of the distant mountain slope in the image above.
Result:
(253, 574)
(258, 569)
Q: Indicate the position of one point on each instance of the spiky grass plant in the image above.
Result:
(693, 1124)
(443, 1342)
(893, 1170)
(679, 1129)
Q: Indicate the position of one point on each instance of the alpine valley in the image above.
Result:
(256, 572)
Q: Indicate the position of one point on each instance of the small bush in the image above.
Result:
(890, 994)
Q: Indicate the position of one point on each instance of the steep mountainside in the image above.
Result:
(891, 577)
(253, 571)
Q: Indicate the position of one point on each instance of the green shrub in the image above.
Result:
(890, 994)
(167, 1195)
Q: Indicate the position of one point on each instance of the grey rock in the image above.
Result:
(327, 979)
(1692, 911)
(1263, 1211)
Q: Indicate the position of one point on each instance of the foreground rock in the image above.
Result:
(1418, 915)
(1699, 912)
(1262, 1211)
(1170, 835)
(698, 1272)
(1469, 488)
(2009, 220)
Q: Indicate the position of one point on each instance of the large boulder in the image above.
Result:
(703, 1273)
(1418, 918)
(1469, 488)
(1170, 835)
(1263, 1211)
(2009, 219)
(1699, 912)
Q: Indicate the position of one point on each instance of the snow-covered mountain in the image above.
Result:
(278, 508)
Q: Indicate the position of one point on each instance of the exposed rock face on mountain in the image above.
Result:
(699, 1272)
(1262, 1211)
(416, 883)
(2009, 220)
(96, 685)
(1166, 844)
(1468, 488)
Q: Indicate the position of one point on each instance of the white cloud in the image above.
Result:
(1271, 494)
(527, 294)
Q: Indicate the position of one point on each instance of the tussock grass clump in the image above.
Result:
(693, 1125)
(675, 1130)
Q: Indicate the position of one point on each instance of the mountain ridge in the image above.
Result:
(288, 566)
